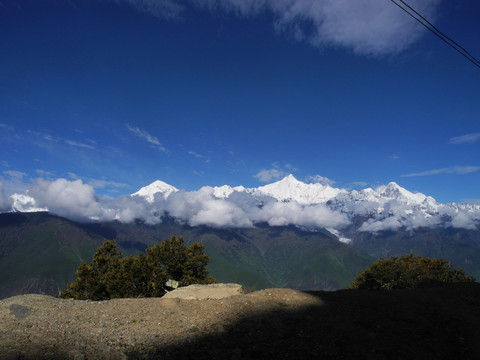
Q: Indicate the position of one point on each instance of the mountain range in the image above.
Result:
(388, 207)
(285, 234)
(285, 202)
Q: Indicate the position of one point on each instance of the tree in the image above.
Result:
(112, 276)
(100, 280)
(406, 271)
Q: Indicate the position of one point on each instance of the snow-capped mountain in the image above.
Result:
(157, 187)
(368, 201)
(288, 201)
(225, 191)
(290, 189)
(287, 189)
(386, 207)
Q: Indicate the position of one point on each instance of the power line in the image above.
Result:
(446, 39)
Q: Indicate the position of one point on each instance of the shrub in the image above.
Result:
(406, 271)
(112, 276)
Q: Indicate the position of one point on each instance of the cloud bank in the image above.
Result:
(76, 200)
(366, 27)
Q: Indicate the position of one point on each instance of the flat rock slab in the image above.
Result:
(204, 292)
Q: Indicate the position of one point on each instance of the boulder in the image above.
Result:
(203, 292)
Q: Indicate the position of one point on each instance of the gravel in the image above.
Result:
(434, 323)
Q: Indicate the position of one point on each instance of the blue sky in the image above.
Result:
(201, 92)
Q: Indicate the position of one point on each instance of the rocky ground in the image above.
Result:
(433, 323)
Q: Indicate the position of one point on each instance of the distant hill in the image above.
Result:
(459, 246)
(40, 252)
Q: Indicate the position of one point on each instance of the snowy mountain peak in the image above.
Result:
(222, 192)
(289, 188)
(395, 191)
(290, 178)
(148, 192)
(392, 190)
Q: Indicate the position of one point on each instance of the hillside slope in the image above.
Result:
(41, 252)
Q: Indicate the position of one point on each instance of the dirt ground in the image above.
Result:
(434, 323)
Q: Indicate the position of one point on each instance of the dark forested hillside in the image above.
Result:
(40, 252)
(459, 246)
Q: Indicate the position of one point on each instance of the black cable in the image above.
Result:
(441, 33)
(454, 45)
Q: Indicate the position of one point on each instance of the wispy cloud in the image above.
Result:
(15, 175)
(321, 180)
(146, 136)
(461, 170)
(367, 27)
(44, 173)
(98, 183)
(167, 9)
(57, 139)
(357, 184)
(267, 175)
(394, 157)
(467, 138)
(276, 172)
(102, 183)
(79, 144)
(199, 156)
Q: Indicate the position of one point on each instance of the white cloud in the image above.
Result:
(321, 180)
(44, 173)
(198, 156)
(146, 136)
(275, 173)
(239, 210)
(102, 183)
(72, 199)
(366, 27)
(76, 200)
(15, 175)
(373, 225)
(461, 170)
(270, 174)
(80, 145)
(468, 138)
(284, 213)
(464, 220)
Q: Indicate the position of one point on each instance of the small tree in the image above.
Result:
(111, 276)
(406, 271)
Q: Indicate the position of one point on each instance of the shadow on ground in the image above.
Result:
(436, 323)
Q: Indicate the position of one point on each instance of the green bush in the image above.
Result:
(406, 272)
(112, 276)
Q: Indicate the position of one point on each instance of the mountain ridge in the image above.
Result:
(287, 201)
